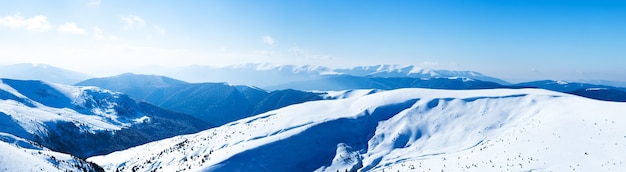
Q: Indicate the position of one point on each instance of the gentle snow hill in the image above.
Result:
(17, 154)
(403, 130)
(27, 71)
(85, 121)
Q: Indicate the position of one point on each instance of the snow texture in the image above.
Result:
(17, 154)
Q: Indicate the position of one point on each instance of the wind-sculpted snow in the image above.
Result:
(403, 130)
(84, 121)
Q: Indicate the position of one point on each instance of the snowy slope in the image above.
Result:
(17, 154)
(404, 130)
(84, 121)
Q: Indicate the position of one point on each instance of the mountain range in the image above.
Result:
(348, 82)
(598, 92)
(265, 75)
(311, 118)
(220, 103)
(214, 103)
(403, 130)
(85, 121)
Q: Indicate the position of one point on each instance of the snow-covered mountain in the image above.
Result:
(18, 154)
(264, 75)
(27, 71)
(599, 92)
(607, 94)
(403, 130)
(214, 103)
(562, 86)
(85, 121)
(414, 72)
(349, 82)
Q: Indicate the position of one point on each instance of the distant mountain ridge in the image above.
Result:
(413, 71)
(214, 103)
(594, 91)
(264, 75)
(349, 82)
(28, 71)
(220, 103)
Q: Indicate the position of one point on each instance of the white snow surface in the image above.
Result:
(346, 93)
(17, 154)
(404, 130)
(27, 115)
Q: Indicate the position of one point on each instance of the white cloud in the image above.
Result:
(430, 64)
(297, 51)
(71, 27)
(267, 52)
(98, 33)
(133, 21)
(534, 70)
(269, 40)
(160, 30)
(95, 3)
(37, 23)
(305, 54)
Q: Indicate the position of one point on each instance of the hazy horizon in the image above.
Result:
(512, 40)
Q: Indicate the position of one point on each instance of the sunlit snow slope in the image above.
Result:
(404, 130)
(17, 154)
(84, 121)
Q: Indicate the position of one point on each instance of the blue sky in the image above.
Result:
(510, 39)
